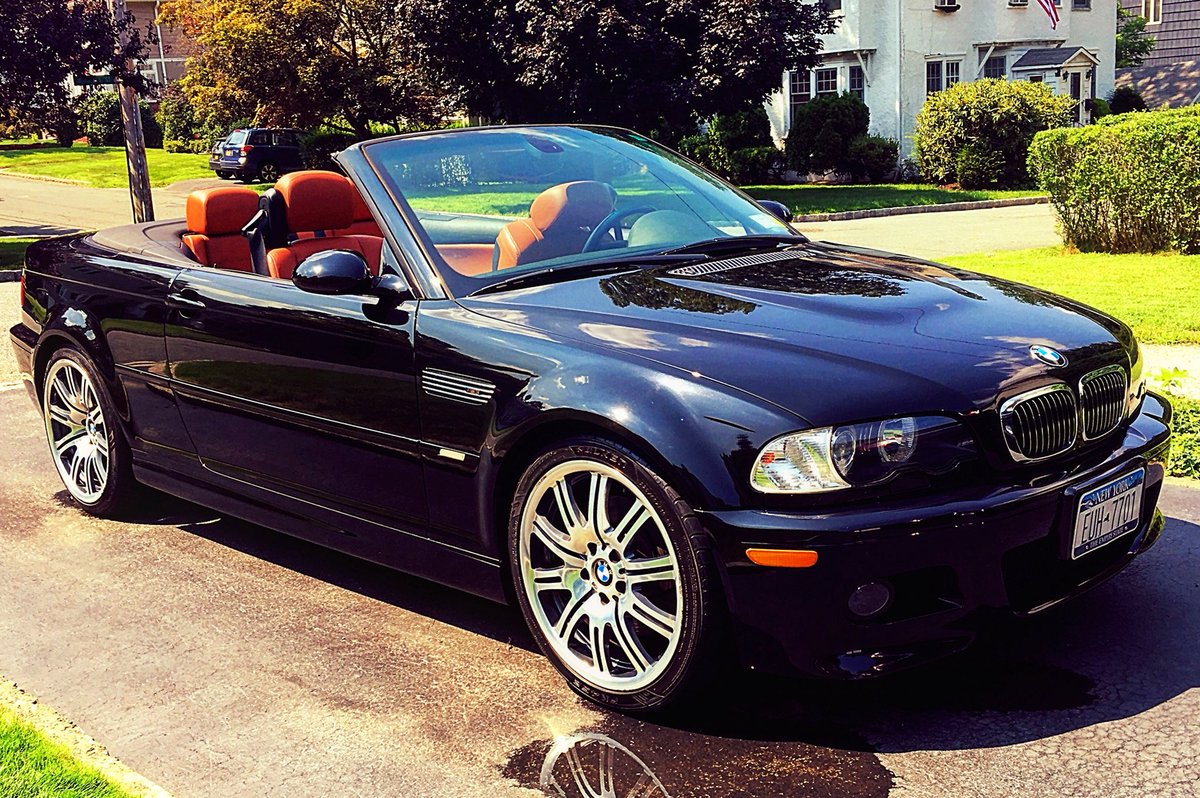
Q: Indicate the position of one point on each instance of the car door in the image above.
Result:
(287, 144)
(308, 396)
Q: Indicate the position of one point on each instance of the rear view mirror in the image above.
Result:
(335, 271)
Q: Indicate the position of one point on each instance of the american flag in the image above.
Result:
(1051, 11)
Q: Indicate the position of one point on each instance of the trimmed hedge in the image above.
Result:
(1130, 183)
(995, 119)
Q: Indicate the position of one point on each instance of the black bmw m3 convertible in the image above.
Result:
(567, 368)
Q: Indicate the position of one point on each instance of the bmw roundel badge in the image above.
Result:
(1051, 357)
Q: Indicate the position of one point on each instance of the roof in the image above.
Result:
(1173, 85)
(1051, 57)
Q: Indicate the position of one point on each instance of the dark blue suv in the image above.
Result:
(258, 154)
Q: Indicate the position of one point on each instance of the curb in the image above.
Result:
(63, 732)
(43, 179)
(873, 213)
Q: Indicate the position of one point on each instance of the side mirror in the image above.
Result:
(335, 271)
(777, 209)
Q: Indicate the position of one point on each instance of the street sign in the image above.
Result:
(94, 80)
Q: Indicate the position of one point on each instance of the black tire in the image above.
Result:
(225, 175)
(696, 658)
(120, 487)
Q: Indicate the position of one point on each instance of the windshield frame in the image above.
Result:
(460, 285)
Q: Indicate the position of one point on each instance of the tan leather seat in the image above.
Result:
(215, 217)
(560, 220)
(317, 200)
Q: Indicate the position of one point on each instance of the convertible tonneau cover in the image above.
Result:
(159, 241)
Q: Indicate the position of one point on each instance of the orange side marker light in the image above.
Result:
(783, 558)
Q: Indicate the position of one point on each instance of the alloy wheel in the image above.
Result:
(77, 431)
(268, 173)
(601, 575)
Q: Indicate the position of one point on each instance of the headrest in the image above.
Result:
(361, 212)
(220, 211)
(316, 200)
(583, 203)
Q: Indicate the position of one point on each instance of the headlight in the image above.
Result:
(833, 458)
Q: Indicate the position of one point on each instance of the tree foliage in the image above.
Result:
(42, 42)
(303, 62)
(654, 65)
(1133, 45)
(100, 120)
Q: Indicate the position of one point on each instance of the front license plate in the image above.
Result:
(1107, 512)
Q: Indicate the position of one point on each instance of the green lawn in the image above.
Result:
(12, 252)
(833, 199)
(33, 766)
(103, 167)
(1157, 295)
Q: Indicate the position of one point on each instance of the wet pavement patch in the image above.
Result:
(628, 758)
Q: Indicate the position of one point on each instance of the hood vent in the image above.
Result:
(728, 264)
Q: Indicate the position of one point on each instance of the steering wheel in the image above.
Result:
(612, 222)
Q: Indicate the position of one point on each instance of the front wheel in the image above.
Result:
(613, 575)
(89, 450)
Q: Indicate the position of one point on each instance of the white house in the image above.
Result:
(893, 53)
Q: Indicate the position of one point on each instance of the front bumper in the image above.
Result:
(952, 561)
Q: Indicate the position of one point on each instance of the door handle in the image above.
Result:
(184, 302)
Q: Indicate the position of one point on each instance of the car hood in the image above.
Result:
(831, 333)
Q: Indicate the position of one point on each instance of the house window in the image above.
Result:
(858, 83)
(1152, 10)
(827, 82)
(941, 75)
(832, 5)
(1036, 78)
(995, 67)
(933, 77)
(1081, 5)
(799, 89)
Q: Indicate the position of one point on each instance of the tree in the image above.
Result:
(1133, 45)
(654, 65)
(303, 62)
(42, 42)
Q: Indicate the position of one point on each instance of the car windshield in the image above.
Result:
(490, 204)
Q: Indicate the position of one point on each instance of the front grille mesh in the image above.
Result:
(1102, 398)
(1042, 424)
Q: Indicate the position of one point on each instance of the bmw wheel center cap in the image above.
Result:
(603, 572)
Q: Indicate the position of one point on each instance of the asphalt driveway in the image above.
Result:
(221, 659)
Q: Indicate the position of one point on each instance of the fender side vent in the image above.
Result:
(456, 387)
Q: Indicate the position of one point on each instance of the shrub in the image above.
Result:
(1128, 184)
(200, 146)
(176, 116)
(978, 165)
(1185, 446)
(822, 132)
(1125, 99)
(763, 164)
(175, 145)
(741, 130)
(318, 148)
(100, 121)
(1100, 109)
(999, 116)
(873, 158)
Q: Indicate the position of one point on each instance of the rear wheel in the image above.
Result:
(613, 575)
(87, 447)
(268, 172)
(225, 175)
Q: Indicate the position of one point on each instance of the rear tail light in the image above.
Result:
(246, 148)
(22, 295)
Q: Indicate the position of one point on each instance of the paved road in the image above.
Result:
(221, 659)
(30, 207)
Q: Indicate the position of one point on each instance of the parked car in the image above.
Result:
(258, 154)
(567, 368)
(214, 160)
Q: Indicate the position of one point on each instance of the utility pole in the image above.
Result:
(135, 141)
